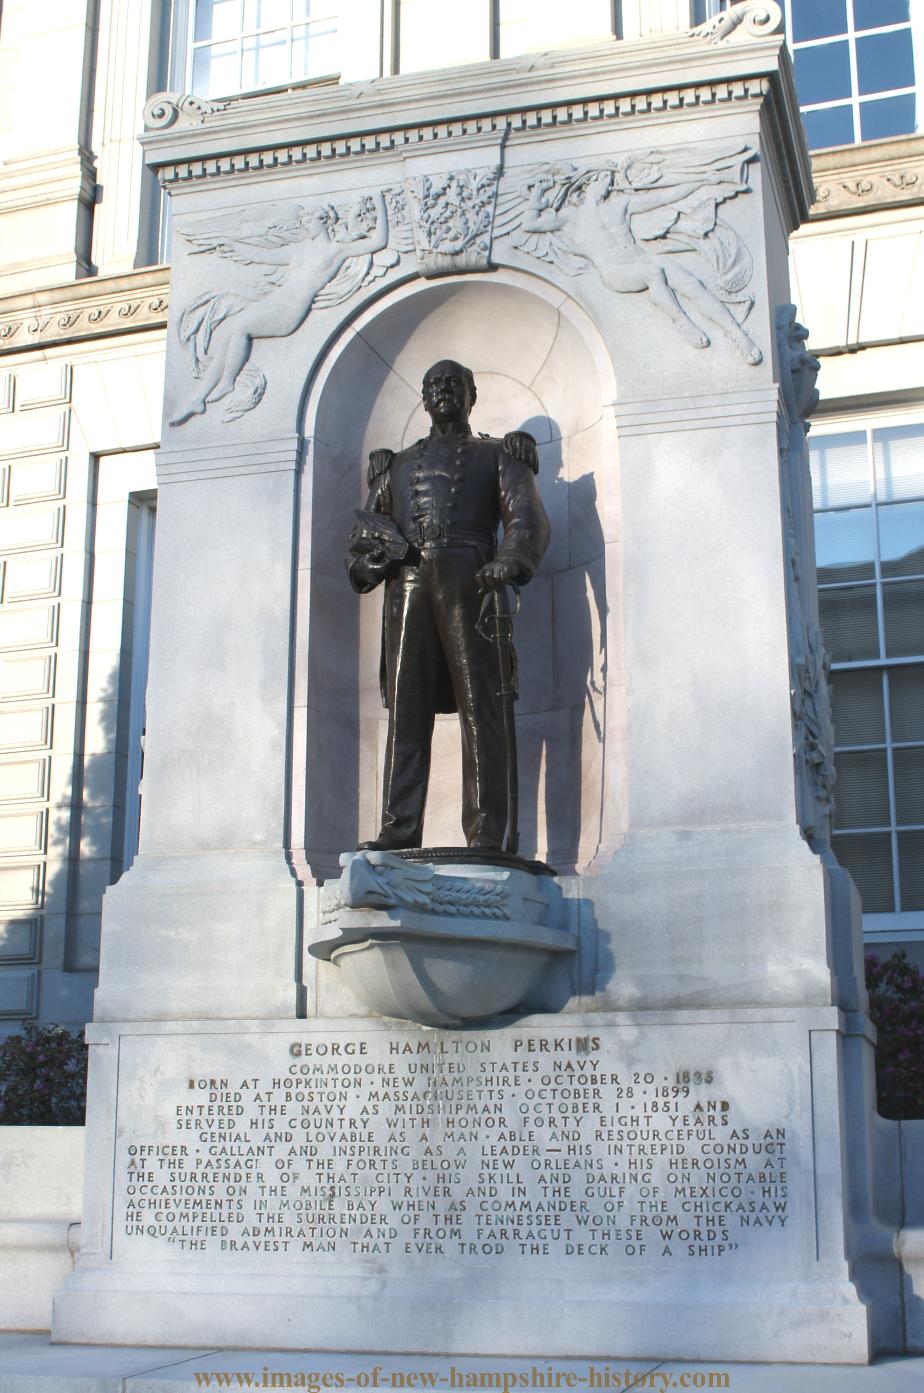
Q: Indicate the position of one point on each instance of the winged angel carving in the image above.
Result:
(645, 222)
(311, 257)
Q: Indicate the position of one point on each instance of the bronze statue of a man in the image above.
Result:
(429, 532)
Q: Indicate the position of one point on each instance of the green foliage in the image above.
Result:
(43, 1078)
(896, 1005)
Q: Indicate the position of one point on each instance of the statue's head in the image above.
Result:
(448, 392)
(317, 222)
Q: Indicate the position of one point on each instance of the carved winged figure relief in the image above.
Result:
(646, 222)
(310, 257)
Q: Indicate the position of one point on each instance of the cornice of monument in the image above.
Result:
(191, 139)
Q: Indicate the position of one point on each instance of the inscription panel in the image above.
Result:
(616, 1148)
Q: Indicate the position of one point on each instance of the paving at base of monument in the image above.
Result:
(29, 1363)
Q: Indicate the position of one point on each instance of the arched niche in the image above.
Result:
(540, 366)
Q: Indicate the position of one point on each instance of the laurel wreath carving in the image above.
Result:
(484, 899)
(454, 897)
(331, 905)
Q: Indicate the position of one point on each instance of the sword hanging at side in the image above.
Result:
(495, 623)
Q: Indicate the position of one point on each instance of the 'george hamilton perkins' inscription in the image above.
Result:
(531, 1146)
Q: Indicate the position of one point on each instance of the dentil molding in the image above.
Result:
(742, 60)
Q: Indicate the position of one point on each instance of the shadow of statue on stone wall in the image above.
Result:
(561, 640)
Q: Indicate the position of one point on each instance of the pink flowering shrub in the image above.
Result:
(43, 1078)
(896, 1005)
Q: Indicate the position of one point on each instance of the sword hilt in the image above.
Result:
(493, 607)
(501, 617)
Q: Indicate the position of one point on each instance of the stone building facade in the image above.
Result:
(84, 294)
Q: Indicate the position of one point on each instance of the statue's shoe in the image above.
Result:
(383, 843)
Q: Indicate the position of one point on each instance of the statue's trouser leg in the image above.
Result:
(473, 668)
(412, 656)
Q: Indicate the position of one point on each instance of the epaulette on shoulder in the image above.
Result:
(526, 450)
(379, 461)
(531, 458)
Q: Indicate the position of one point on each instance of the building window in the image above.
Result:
(523, 25)
(428, 35)
(869, 537)
(855, 71)
(431, 35)
(242, 45)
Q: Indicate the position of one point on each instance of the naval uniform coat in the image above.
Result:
(448, 493)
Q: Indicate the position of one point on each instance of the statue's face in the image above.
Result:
(447, 393)
(313, 224)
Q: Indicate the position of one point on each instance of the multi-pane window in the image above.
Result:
(240, 45)
(523, 25)
(434, 35)
(854, 63)
(869, 536)
(431, 34)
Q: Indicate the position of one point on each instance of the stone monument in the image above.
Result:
(663, 1148)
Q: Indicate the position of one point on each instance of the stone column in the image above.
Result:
(48, 178)
(126, 224)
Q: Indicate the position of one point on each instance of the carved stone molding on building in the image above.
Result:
(306, 257)
(178, 108)
(452, 215)
(799, 368)
(626, 219)
(49, 198)
(747, 20)
(404, 139)
(809, 665)
(54, 176)
(530, 98)
(88, 308)
(382, 880)
(860, 178)
(300, 258)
